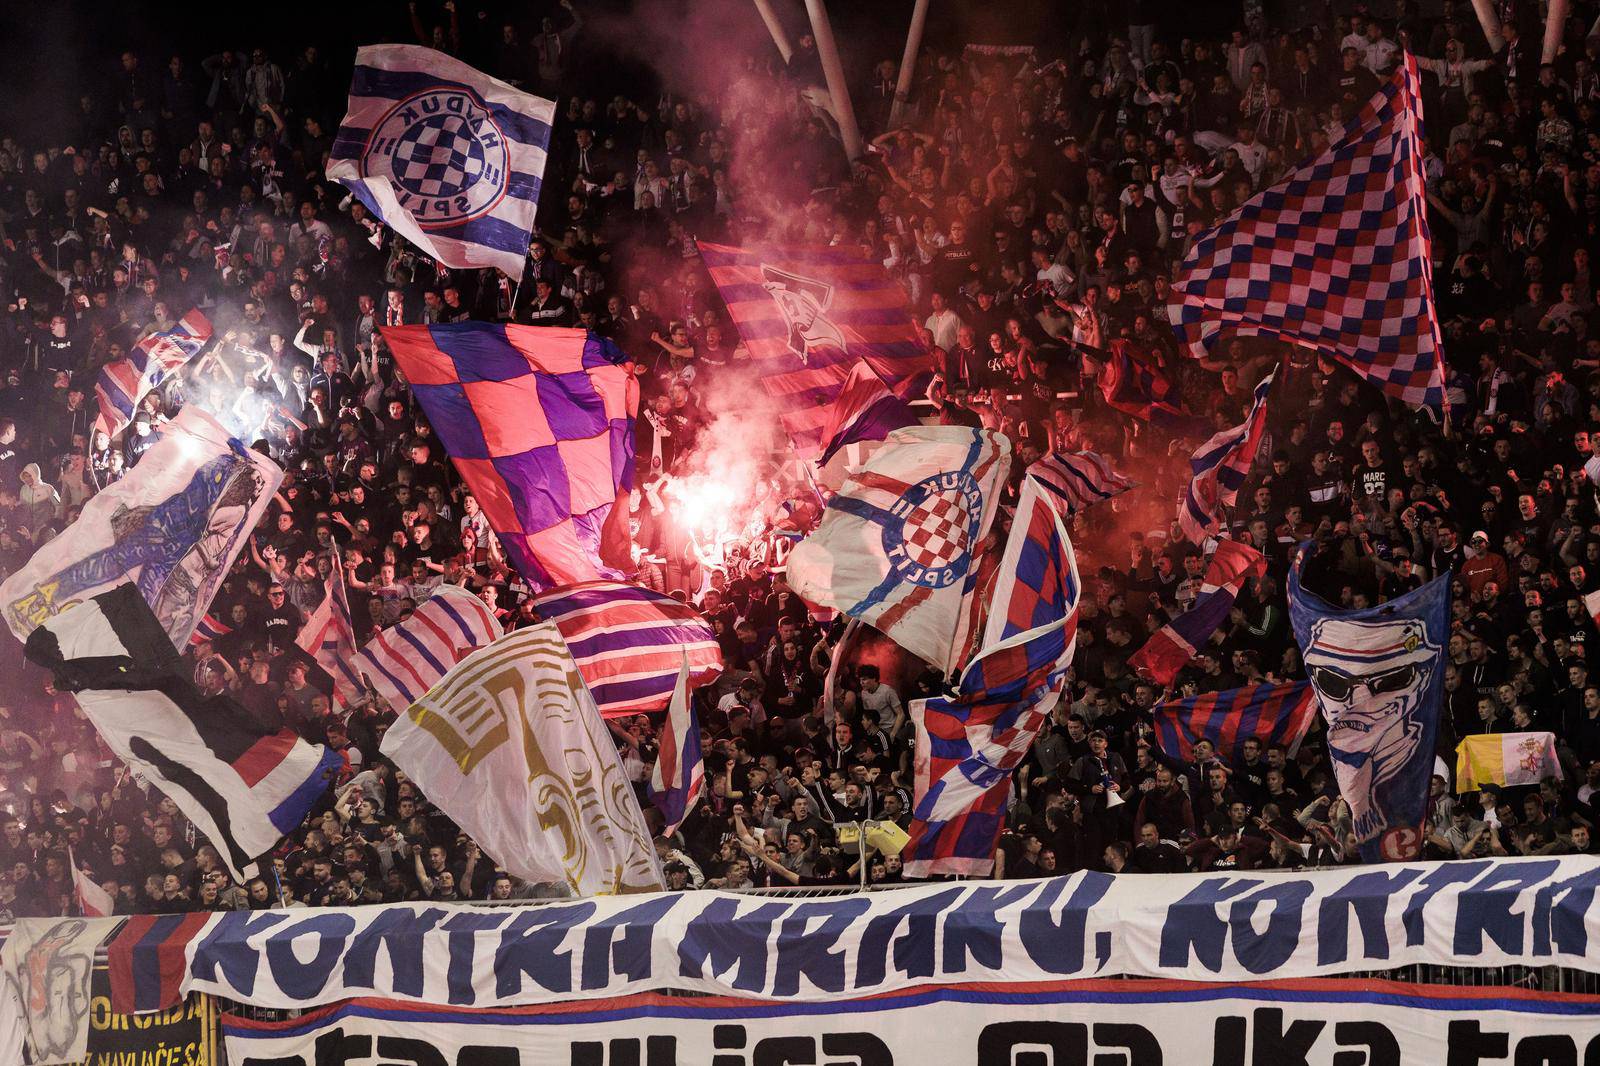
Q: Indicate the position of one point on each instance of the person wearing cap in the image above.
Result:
(1484, 565)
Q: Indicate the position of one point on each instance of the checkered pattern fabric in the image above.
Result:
(539, 421)
(1135, 387)
(936, 530)
(438, 157)
(122, 384)
(1289, 264)
(1219, 469)
(807, 316)
(968, 746)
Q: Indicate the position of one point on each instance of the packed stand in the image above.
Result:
(1035, 208)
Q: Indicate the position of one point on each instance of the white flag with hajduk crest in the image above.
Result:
(511, 746)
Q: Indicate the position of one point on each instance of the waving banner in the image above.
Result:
(1131, 1024)
(808, 317)
(447, 156)
(896, 547)
(1213, 927)
(1379, 677)
(173, 526)
(511, 746)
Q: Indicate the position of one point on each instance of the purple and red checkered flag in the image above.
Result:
(539, 421)
(968, 746)
(1273, 714)
(1288, 263)
(1219, 468)
(1170, 648)
(123, 383)
(807, 316)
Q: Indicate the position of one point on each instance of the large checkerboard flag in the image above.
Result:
(450, 158)
(1336, 257)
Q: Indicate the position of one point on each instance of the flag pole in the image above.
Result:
(833, 70)
(774, 27)
(908, 62)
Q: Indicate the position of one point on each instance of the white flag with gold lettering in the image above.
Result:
(511, 746)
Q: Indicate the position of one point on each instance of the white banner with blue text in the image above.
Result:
(1248, 926)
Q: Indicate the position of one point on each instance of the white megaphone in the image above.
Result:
(1114, 799)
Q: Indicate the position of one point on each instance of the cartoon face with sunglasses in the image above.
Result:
(1370, 678)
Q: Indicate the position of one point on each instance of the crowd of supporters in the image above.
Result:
(1035, 207)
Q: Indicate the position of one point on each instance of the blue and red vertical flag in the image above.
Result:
(539, 421)
(1272, 714)
(807, 316)
(969, 745)
(1336, 257)
(1170, 648)
(148, 958)
(679, 772)
(1219, 468)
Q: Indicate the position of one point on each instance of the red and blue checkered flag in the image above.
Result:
(539, 421)
(1272, 714)
(1219, 468)
(1170, 648)
(1336, 257)
(807, 316)
(969, 745)
(123, 383)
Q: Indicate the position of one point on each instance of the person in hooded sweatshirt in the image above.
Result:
(37, 500)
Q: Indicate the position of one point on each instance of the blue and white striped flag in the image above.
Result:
(450, 158)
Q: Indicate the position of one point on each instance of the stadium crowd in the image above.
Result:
(1035, 207)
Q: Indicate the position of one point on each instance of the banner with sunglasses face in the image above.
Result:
(1379, 677)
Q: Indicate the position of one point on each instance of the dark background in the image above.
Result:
(53, 50)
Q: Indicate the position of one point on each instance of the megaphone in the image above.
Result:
(1114, 799)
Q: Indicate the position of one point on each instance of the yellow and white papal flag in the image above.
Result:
(511, 746)
(1505, 759)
